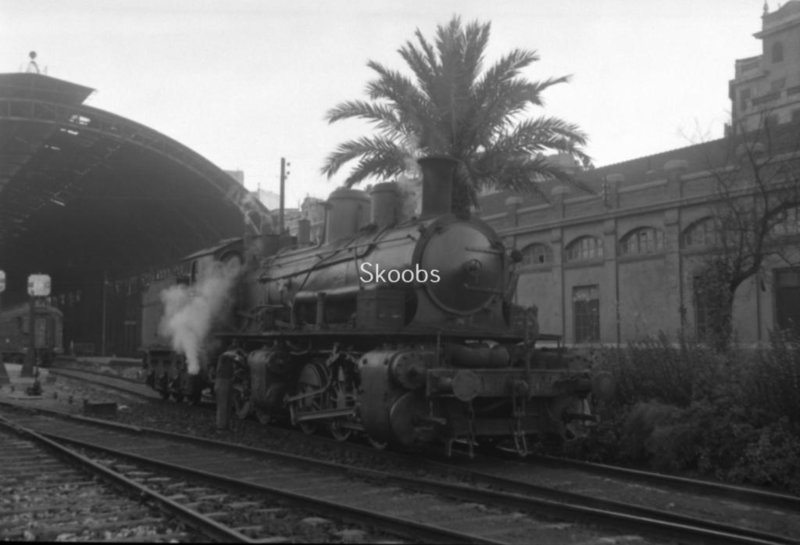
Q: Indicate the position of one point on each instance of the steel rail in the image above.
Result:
(555, 502)
(580, 508)
(728, 491)
(404, 527)
(152, 395)
(195, 520)
(560, 497)
(94, 372)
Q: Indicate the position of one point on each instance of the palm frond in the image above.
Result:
(383, 116)
(451, 105)
(477, 39)
(381, 165)
(507, 68)
(378, 149)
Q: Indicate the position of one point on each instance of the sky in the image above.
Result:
(246, 82)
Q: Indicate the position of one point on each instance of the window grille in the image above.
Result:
(789, 223)
(584, 248)
(701, 233)
(586, 312)
(644, 240)
(536, 254)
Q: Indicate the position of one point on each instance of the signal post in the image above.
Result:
(38, 286)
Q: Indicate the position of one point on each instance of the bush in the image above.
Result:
(773, 383)
(656, 369)
(684, 407)
(773, 459)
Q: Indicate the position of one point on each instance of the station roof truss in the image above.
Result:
(83, 190)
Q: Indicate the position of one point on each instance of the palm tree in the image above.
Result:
(455, 108)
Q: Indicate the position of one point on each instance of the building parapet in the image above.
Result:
(642, 186)
(710, 198)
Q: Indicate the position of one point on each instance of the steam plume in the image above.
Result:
(410, 182)
(191, 311)
(410, 196)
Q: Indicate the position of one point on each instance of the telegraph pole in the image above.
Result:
(283, 192)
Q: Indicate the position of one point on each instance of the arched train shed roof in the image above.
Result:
(84, 191)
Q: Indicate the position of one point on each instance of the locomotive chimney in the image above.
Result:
(437, 184)
(385, 199)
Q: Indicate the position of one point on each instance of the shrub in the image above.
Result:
(656, 369)
(773, 458)
(683, 407)
(773, 383)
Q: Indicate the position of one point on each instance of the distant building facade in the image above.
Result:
(767, 86)
(313, 209)
(620, 265)
(619, 262)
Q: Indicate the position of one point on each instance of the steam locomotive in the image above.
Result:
(399, 329)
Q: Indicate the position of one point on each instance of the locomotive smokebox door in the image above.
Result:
(470, 262)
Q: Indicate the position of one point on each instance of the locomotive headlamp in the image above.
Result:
(473, 269)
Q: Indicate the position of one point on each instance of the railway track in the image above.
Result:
(742, 512)
(475, 513)
(104, 380)
(422, 511)
(51, 493)
(758, 515)
(708, 488)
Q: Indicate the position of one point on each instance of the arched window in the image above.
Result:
(699, 234)
(644, 240)
(777, 52)
(584, 249)
(788, 223)
(536, 254)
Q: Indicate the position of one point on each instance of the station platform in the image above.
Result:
(59, 391)
(14, 389)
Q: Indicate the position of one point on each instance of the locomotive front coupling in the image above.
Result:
(408, 397)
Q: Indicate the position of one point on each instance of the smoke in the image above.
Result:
(410, 196)
(191, 311)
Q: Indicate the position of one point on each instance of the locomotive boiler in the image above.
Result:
(400, 329)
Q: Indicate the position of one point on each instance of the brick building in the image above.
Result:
(618, 262)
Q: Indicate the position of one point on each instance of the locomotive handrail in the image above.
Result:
(483, 290)
(484, 250)
(326, 259)
(336, 292)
